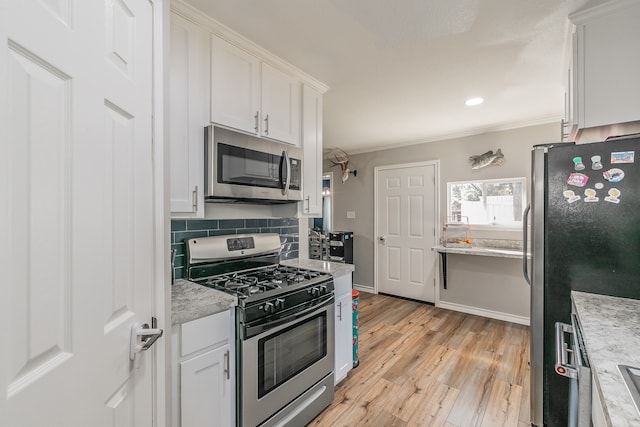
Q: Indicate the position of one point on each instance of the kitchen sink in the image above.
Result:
(631, 377)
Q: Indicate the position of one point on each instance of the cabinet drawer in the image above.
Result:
(205, 332)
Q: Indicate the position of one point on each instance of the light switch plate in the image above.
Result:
(351, 214)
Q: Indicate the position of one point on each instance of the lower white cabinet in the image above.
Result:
(598, 418)
(343, 327)
(203, 368)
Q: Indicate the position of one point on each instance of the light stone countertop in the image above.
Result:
(190, 301)
(611, 332)
(331, 267)
(482, 251)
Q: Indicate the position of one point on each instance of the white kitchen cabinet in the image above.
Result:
(608, 59)
(204, 369)
(251, 96)
(343, 326)
(188, 115)
(598, 418)
(312, 146)
(235, 87)
(281, 107)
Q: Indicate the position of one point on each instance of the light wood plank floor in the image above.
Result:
(424, 366)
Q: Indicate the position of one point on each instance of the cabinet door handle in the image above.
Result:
(340, 311)
(194, 199)
(255, 121)
(266, 124)
(226, 364)
(308, 199)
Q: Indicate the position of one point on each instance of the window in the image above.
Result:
(496, 202)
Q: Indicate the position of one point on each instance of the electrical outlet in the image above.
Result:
(351, 214)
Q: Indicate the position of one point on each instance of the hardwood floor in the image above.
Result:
(424, 366)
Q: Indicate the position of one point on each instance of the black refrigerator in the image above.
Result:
(584, 222)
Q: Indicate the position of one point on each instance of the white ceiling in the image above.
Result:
(399, 71)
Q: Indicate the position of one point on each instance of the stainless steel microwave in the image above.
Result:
(241, 167)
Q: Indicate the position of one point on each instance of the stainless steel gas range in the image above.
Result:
(284, 327)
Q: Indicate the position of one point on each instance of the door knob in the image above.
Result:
(143, 337)
(382, 238)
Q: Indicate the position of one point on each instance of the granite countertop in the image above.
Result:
(611, 332)
(482, 251)
(331, 267)
(190, 301)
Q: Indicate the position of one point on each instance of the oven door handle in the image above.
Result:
(253, 330)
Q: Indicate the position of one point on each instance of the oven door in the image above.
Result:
(282, 363)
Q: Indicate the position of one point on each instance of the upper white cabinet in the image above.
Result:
(235, 87)
(188, 115)
(281, 105)
(252, 96)
(606, 86)
(312, 146)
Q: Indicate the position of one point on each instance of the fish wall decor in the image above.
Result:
(486, 159)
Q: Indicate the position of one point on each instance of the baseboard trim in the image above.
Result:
(521, 320)
(361, 288)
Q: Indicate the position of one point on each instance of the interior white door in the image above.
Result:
(77, 191)
(406, 230)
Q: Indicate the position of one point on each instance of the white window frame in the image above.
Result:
(483, 182)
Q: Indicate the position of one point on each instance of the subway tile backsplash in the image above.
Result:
(184, 229)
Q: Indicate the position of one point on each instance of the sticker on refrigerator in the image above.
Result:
(613, 175)
(599, 186)
(578, 179)
(571, 196)
(614, 196)
(590, 195)
(596, 163)
(577, 163)
(622, 157)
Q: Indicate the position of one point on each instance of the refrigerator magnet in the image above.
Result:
(614, 196)
(571, 196)
(577, 163)
(622, 157)
(578, 179)
(599, 186)
(590, 195)
(613, 175)
(596, 163)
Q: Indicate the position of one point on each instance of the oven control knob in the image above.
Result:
(314, 291)
(323, 289)
(279, 303)
(268, 307)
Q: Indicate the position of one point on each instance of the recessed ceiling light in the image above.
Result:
(473, 101)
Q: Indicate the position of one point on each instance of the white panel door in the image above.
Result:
(405, 225)
(76, 184)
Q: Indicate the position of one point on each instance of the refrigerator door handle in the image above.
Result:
(563, 367)
(525, 244)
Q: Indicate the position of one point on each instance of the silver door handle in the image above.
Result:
(143, 337)
(340, 311)
(525, 238)
(266, 125)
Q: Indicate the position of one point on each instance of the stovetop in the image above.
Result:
(264, 282)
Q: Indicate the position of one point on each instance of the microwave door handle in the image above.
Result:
(287, 183)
